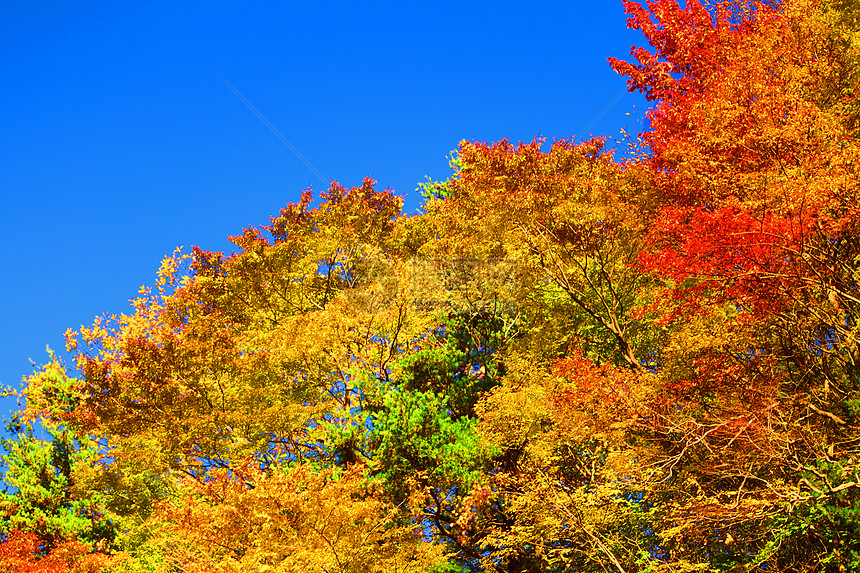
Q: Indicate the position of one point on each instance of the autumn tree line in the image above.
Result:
(579, 357)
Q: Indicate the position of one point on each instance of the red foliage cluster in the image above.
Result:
(23, 553)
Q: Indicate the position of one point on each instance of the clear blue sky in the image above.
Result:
(119, 141)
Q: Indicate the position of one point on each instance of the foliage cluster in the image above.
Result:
(563, 362)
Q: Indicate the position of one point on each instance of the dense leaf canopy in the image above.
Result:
(565, 361)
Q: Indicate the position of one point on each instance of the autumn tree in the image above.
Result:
(564, 361)
(752, 145)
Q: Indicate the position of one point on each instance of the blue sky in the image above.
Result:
(119, 141)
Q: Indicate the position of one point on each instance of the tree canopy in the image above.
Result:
(570, 359)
